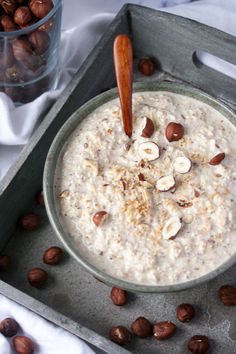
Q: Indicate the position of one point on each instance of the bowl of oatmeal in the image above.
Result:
(156, 212)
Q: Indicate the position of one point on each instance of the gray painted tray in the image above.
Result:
(73, 299)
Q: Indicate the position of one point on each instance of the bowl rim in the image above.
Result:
(49, 173)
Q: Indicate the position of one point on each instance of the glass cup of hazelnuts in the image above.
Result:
(29, 44)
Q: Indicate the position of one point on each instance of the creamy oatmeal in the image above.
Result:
(161, 208)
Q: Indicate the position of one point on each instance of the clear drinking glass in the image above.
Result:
(29, 57)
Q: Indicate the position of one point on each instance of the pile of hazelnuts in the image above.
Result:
(23, 58)
(143, 328)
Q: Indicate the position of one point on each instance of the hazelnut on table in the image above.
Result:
(23, 345)
(37, 277)
(120, 335)
(5, 263)
(146, 66)
(164, 330)
(118, 296)
(198, 344)
(141, 327)
(9, 327)
(29, 222)
(53, 255)
(185, 312)
(227, 295)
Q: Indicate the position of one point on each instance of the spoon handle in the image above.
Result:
(123, 60)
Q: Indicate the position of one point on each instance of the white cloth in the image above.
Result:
(83, 24)
(48, 339)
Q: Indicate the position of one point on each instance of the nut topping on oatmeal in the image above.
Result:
(174, 131)
(165, 183)
(188, 219)
(99, 217)
(182, 164)
(184, 204)
(141, 177)
(171, 228)
(196, 194)
(64, 194)
(92, 165)
(149, 151)
(147, 127)
(216, 160)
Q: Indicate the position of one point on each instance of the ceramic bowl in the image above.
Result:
(51, 200)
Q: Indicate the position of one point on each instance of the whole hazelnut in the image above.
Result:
(30, 23)
(37, 277)
(146, 66)
(99, 217)
(40, 199)
(164, 330)
(227, 295)
(40, 8)
(185, 312)
(29, 222)
(8, 24)
(39, 41)
(9, 6)
(53, 255)
(22, 49)
(23, 345)
(9, 327)
(216, 160)
(198, 344)
(120, 335)
(141, 327)
(6, 56)
(24, 53)
(14, 74)
(141, 177)
(118, 296)
(22, 15)
(174, 131)
(15, 93)
(5, 263)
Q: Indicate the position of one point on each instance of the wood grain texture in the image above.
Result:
(123, 60)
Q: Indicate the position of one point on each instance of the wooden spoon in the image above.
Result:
(123, 59)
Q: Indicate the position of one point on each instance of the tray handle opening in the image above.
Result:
(204, 59)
